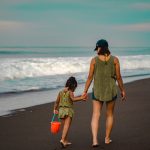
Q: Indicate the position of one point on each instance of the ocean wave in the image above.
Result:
(15, 52)
(20, 68)
(135, 62)
(36, 67)
(24, 91)
(57, 85)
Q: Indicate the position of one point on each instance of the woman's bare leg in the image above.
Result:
(109, 119)
(97, 107)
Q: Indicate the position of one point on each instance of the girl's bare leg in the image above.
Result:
(67, 123)
(97, 107)
(109, 120)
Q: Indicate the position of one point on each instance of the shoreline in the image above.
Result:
(127, 79)
(29, 129)
(11, 102)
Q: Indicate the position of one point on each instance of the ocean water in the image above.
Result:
(27, 69)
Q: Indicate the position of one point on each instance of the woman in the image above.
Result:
(105, 69)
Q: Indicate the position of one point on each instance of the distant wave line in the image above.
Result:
(20, 52)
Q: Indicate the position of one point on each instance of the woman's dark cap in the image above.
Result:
(101, 43)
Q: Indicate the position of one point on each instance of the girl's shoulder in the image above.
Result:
(65, 92)
(70, 92)
(61, 93)
(64, 95)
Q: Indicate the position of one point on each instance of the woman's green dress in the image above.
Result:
(104, 88)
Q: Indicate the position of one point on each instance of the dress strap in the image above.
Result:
(96, 59)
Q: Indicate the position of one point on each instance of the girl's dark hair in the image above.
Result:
(71, 83)
(104, 51)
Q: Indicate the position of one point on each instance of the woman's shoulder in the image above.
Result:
(115, 58)
(94, 59)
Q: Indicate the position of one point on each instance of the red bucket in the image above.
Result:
(55, 125)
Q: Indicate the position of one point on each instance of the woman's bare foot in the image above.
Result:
(108, 140)
(95, 144)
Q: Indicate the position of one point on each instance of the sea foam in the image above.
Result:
(19, 68)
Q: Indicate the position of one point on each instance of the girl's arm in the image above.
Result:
(90, 76)
(119, 78)
(56, 104)
(78, 98)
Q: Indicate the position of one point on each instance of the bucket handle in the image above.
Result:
(54, 115)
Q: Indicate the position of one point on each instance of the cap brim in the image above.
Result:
(95, 48)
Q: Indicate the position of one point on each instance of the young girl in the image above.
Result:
(64, 107)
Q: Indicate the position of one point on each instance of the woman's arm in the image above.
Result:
(56, 104)
(78, 98)
(119, 78)
(90, 76)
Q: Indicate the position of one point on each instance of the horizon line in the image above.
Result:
(71, 47)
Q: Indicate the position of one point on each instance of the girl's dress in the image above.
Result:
(65, 105)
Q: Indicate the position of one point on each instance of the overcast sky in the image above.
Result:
(74, 22)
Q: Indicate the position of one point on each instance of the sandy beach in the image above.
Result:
(29, 129)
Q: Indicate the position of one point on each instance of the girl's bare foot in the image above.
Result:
(68, 143)
(63, 143)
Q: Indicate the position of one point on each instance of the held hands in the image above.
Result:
(84, 96)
